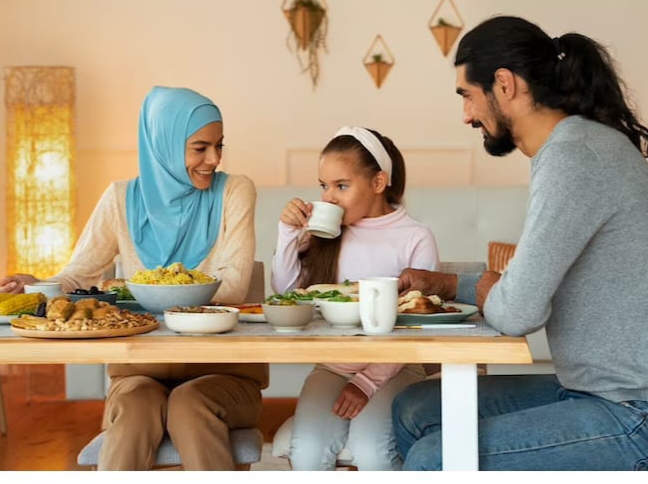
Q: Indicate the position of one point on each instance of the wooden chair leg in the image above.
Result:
(243, 467)
(3, 416)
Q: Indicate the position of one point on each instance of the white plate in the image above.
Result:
(467, 310)
(6, 318)
(252, 318)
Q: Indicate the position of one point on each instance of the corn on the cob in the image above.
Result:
(5, 295)
(21, 303)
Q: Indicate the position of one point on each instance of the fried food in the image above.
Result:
(88, 303)
(414, 302)
(62, 308)
(81, 313)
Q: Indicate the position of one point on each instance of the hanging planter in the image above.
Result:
(308, 22)
(378, 61)
(446, 32)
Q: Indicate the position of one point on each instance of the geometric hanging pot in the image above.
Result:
(378, 61)
(304, 17)
(446, 29)
(308, 20)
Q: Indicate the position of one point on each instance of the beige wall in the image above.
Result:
(235, 52)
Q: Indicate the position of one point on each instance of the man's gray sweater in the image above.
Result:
(581, 265)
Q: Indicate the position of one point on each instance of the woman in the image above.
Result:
(179, 209)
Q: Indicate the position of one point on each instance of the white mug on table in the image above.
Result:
(378, 304)
(325, 220)
(50, 289)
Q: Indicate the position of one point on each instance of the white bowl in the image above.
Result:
(340, 314)
(288, 319)
(156, 298)
(202, 323)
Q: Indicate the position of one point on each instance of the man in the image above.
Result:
(581, 265)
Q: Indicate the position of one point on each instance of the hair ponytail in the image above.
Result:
(589, 86)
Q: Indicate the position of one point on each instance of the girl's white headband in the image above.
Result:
(373, 145)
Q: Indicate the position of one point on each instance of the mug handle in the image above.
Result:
(372, 311)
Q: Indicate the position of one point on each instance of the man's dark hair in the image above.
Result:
(572, 73)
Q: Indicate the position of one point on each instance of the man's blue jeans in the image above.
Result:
(528, 422)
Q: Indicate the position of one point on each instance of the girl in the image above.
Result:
(350, 404)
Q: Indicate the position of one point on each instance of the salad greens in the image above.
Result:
(123, 293)
(343, 298)
(300, 296)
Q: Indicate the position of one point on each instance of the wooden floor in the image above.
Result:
(46, 432)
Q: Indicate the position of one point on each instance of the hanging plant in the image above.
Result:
(378, 61)
(308, 21)
(445, 32)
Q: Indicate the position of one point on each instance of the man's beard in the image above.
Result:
(502, 143)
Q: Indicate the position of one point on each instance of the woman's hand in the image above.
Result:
(439, 283)
(16, 284)
(350, 402)
(296, 213)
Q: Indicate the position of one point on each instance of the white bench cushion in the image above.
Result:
(246, 449)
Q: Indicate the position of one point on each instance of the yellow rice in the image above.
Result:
(176, 273)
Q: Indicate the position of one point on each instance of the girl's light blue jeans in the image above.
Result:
(528, 422)
(319, 435)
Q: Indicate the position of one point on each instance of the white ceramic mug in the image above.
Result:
(50, 289)
(325, 220)
(378, 304)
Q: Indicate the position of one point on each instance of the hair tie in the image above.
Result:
(373, 146)
(560, 53)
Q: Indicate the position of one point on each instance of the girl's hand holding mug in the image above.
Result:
(296, 213)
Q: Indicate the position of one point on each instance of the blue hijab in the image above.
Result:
(170, 220)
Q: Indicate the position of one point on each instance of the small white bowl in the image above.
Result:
(202, 323)
(288, 318)
(340, 314)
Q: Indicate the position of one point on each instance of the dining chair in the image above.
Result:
(247, 444)
(499, 255)
(283, 436)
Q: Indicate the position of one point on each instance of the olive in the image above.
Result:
(41, 310)
(81, 291)
(95, 290)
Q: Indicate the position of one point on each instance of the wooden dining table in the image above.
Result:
(458, 355)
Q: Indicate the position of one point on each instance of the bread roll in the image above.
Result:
(110, 283)
(350, 288)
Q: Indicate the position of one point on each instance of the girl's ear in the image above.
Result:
(380, 182)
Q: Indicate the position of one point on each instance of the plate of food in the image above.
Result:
(250, 313)
(87, 318)
(463, 311)
(414, 308)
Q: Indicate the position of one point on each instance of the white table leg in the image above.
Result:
(459, 417)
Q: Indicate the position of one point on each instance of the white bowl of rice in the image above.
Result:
(159, 289)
